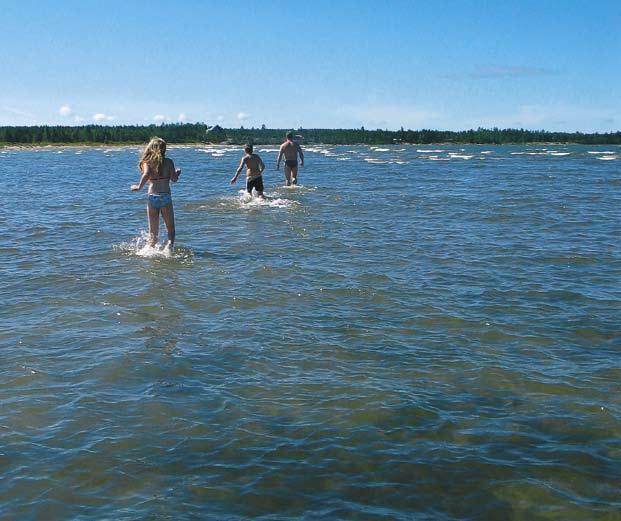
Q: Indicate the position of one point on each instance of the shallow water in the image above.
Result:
(416, 332)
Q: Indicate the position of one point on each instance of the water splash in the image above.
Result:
(247, 201)
(140, 247)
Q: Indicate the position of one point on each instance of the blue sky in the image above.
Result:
(331, 64)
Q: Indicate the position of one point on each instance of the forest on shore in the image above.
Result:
(203, 133)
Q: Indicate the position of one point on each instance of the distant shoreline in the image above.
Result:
(200, 133)
(55, 146)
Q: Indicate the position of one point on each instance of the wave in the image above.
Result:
(376, 161)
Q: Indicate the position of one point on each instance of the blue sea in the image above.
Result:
(412, 333)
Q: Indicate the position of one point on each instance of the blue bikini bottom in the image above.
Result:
(159, 200)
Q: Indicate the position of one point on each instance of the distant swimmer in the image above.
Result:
(254, 171)
(290, 149)
(158, 171)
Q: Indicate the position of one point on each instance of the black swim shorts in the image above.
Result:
(256, 183)
(291, 163)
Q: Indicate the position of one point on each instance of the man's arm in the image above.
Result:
(261, 166)
(301, 154)
(239, 169)
(280, 153)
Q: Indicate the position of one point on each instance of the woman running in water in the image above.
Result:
(158, 171)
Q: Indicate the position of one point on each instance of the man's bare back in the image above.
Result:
(254, 170)
(254, 165)
(290, 151)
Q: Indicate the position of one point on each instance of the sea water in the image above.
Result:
(413, 332)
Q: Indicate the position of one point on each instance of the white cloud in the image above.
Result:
(65, 111)
(78, 119)
(159, 118)
(242, 116)
(553, 117)
(387, 116)
(182, 117)
(500, 72)
(504, 71)
(99, 117)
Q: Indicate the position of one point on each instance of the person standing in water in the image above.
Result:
(254, 171)
(290, 150)
(158, 170)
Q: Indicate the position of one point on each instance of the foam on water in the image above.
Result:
(246, 201)
(376, 161)
(140, 247)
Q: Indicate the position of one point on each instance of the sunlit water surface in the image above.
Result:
(415, 332)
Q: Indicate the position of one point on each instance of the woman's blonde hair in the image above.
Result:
(154, 153)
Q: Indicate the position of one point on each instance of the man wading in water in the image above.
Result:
(254, 170)
(290, 149)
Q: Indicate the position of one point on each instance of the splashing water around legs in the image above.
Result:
(145, 246)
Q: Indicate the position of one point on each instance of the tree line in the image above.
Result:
(203, 133)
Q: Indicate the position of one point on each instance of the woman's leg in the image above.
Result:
(154, 224)
(168, 214)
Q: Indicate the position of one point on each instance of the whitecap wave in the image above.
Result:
(607, 158)
(376, 161)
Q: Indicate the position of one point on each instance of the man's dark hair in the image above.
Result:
(289, 135)
(248, 148)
